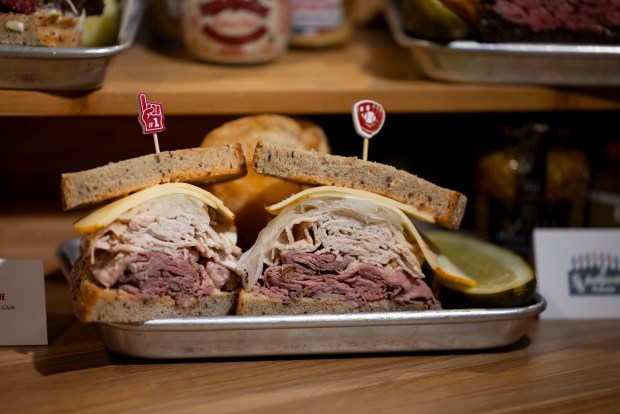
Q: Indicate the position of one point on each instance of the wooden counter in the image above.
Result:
(559, 366)
(300, 82)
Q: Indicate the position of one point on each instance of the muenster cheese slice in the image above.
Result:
(438, 262)
(342, 192)
(105, 215)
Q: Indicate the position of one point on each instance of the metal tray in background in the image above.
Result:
(250, 336)
(521, 63)
(67, 69)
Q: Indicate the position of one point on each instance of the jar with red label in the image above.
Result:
(235, 31)
(321, 23)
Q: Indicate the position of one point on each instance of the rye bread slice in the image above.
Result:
(317, 168)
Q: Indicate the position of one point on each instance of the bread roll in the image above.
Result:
(248, 196)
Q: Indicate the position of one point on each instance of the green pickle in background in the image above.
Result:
(432, 20)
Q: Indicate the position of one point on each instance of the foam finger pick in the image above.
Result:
(151, 118)
(368, 118)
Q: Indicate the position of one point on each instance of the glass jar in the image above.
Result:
(321, 23)
(163, 22)
(604, 197)
(235, 31)
(532, 179)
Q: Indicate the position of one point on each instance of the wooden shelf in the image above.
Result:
(300, 82)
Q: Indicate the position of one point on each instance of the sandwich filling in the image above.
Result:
(172, 245)
(337, 248)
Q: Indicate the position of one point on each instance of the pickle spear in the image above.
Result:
(432, 20)
(503, 278)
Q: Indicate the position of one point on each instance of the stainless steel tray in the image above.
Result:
(67, 69)
(381, 332)
(529, 63)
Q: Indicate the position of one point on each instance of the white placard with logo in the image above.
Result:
(578, 272)
(22, 303)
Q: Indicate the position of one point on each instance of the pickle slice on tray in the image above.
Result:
(503, 278)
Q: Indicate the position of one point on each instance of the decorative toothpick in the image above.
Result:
(73, 8)
(151, 119)
(368, 118)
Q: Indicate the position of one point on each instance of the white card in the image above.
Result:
(578, 272)
(22, 303)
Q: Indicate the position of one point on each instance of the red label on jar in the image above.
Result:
(236, 30)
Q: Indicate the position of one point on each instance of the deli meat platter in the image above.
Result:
(519, 63)
(66, 69)
(314, 334)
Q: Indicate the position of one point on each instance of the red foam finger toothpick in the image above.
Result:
(151, 118)
(368, 118)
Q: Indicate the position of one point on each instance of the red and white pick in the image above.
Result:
(368, 118)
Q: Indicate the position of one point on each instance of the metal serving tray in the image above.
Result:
(248, 336)
(545, 64)
(67, 69)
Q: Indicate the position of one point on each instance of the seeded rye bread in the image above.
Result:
(312, 167)
(194, 165)
(92, 303)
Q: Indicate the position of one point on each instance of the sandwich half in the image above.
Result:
(162, 248)
(346, 245)
(50, 23)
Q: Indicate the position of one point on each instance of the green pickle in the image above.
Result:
(504, 279)
(431, 20)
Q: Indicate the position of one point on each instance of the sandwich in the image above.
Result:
(347, 244)
(161, 247)
(51, 23)
(248, 196)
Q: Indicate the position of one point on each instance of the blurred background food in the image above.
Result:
(434, 20)
(102, 30)
(538, 21)
(521, 21)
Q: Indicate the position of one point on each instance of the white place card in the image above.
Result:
(22, 303)
(578, 272)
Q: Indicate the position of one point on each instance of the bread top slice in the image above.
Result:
(447, 207)
(114, 180)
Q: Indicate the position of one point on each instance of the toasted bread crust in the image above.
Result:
(94, 303)
(194, 165)
(254, 303)
(311, 167)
